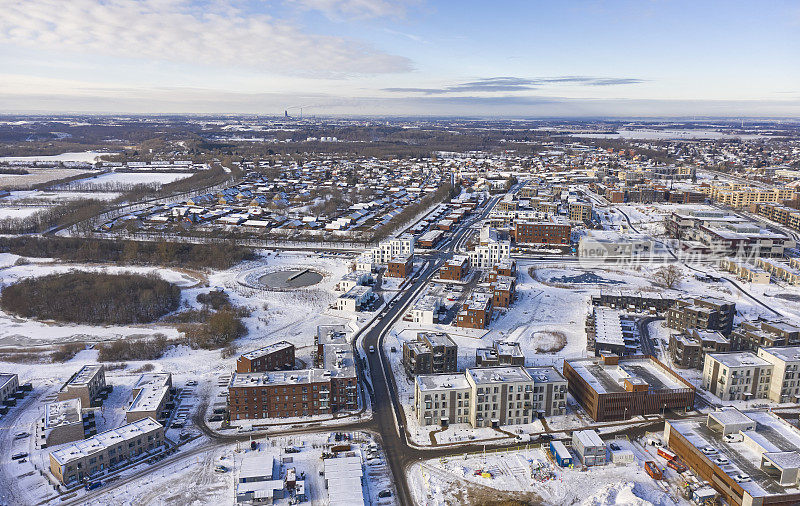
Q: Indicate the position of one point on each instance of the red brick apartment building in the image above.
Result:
(541, 232)
(476, 313)
(503, 291)
(308, 392)
(400, 267)
(506, 267)
(275, 357)
(612, 388)
(455, 269)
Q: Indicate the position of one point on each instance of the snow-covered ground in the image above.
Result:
(83, 156)
(530, 475)
(56, 196)
(18, 212)
(136, 178)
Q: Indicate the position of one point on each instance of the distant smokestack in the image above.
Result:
(285, 113)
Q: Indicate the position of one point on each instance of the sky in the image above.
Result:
(500, 58)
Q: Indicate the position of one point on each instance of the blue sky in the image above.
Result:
(408, 57)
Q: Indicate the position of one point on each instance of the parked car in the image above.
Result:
(220, 469)
(93, 485)
(384, 493)
(22, 435)
(372, 349)
(191, 383)
(292, 449)
(18, 456)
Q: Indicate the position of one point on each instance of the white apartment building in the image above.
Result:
(737, 376)
(785, 384)
(502, 396)
(397, 247)
(492, 396)
(442, 399)
(490, 251)
(425, 310)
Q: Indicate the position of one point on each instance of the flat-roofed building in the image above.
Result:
(425, 310)
(632, 301)
(455, 268)
(555, 231)
(618, 388)
(689, 350)
(149, 397)
(590, 448)
(62, 423)
(390, 248)
(442, 399)
(85, 385)
(785, 384)
(430, 239)
(737, 376)
(609, 331)
(275, 357)
(431, 353)
(500, 354)
(355, 299)
(549, 391)
(758, 468)
(756, 334)
(504, 290)
(90, 458)
(9, 384)
(746, 271)
(702, 313)
(400, 266)
(344, 480)
(502, 396)
(476, 311)
(329, 387)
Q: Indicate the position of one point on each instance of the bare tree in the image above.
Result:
(668, 276)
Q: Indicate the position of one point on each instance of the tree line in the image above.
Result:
(90, 297)
(194, 256)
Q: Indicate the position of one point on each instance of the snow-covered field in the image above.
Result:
(37, 176)
(19, 212)
(83, 156)
(56, 196)
(137, 177)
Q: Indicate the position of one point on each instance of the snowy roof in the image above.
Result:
(61, 413)
(86, 374)
(442, 381)
(153, 380)
(547, 374)
(256, 465)
(101, 441)
(492, 375)
(343, 478)
(610, 378)
(608, 327)
(6, 378)
(730, 416)
(739, 359)
(588, 438)
(272, 348)
(772, 438)
(784, 353)
(148, 399)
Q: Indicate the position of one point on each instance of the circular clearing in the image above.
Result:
(294, 278)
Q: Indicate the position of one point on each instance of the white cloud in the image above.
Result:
(357, 8)
(182, 31)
